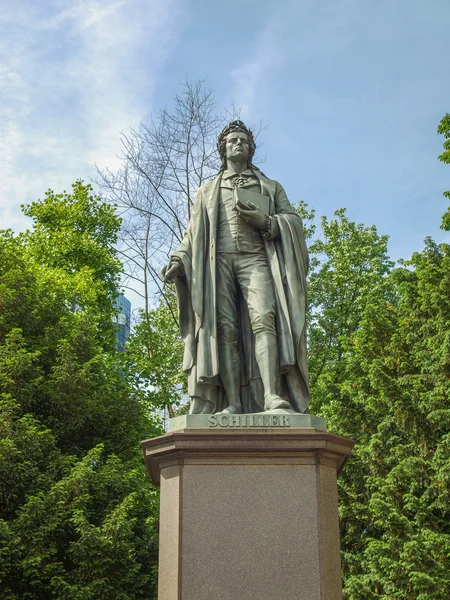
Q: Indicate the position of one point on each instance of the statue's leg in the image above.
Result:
(255, 281)
(227, 331)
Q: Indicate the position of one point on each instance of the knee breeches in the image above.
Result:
(250, 273)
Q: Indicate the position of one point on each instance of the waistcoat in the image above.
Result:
(234, 234)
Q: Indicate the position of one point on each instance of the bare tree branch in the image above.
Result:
(163, 162)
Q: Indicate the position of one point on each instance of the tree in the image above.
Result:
(78, 513)
(163, 164)
(444, 129)
(73, 241)
(393, 400)
(391, 397)
(380, 374)
(345, 266)
(153, 359)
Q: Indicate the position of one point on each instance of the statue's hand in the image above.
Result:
(253, 215)
(172, 270)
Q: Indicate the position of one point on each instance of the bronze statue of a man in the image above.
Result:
(240, 275)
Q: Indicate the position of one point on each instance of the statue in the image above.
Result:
(240, 276)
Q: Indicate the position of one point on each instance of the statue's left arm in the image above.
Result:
(282, 207)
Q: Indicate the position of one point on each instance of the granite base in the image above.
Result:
(248, 513)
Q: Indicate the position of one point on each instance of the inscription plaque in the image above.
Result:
(263, 420)
(218, 421)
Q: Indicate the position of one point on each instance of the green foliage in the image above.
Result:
(392, 398)
(72, 248)
(82, 528)
(347, 265)
(444, 129)
(379, 358)
(78, 514)
(153, 359)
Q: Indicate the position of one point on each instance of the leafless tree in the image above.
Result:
(163, 163)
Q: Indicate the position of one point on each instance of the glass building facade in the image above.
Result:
(123, 321)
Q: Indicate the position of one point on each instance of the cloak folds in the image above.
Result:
(288, 262)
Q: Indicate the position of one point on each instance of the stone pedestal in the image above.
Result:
(248, 512)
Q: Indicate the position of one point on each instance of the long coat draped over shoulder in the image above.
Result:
(288, 262)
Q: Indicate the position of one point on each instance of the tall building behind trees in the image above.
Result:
(122, 320)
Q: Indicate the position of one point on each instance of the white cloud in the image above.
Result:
(252, 73)
(86, 13)
(72, 79)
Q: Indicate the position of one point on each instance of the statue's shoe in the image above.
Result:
(233, 410)
(273, 402)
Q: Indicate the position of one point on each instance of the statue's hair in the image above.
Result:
(222, 140)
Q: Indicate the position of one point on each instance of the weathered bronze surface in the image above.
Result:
(240, 275)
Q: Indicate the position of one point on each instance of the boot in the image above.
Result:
(230, 376)
(266, 351)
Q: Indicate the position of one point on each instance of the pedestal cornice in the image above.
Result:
(293, 445)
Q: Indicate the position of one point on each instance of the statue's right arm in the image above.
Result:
(173, 269)
(175, 266)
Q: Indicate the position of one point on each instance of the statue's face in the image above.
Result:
(237, 146)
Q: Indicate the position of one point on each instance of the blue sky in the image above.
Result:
(350, 91)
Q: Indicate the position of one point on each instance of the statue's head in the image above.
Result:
(226, 135)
